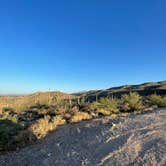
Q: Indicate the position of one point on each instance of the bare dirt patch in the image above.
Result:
(132, 140)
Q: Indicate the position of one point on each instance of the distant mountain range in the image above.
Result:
(49, 97)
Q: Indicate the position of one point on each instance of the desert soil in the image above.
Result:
(137, 139)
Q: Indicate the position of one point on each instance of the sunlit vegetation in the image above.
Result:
(79, 116)
(157, 100)
(41, 128)
(131, 102)
(105, 106)
(20, 128)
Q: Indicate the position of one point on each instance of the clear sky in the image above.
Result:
(73, 45)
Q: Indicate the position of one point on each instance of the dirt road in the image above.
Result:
(133, 140)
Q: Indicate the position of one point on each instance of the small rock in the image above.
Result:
(113, 124)
(78, 130)
(49, 154)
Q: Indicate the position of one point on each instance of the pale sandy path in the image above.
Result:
(134, 140)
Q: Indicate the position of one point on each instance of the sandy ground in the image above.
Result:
(132, 140)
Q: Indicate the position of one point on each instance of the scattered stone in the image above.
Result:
(139, 140)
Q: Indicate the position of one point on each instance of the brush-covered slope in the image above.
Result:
(143, 89)
(20, 102)
(28, 100)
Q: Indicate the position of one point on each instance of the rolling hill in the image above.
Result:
(143, 89)
(50, 97)
(28, 100)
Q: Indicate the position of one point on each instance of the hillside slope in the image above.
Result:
(133, 140)
(28, 100)
(143, 89)
(51, 97)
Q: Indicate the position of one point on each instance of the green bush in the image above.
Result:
(8, 116)
(106, 106)
(157, 100)
(131, 102)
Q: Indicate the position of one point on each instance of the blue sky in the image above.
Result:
(80, 44)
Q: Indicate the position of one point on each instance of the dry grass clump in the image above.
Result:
(104, 112)
(58, 120)
(43, 126)
(79, 116)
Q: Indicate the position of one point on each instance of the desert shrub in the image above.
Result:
(8, 130)
(8, 112)
(39, 106)
(105, 106)
(30, 115)
(74, 108)
(63, 105)
(104, 112)
(7, 115)
(8, 109)
(79, 116)
(131, 102)
(13, 135)
(85, 107)
(21, 139)
(4, 115)
(14, 119)
(43, 126)
(20, 108)
(58, 120)
(157, 100)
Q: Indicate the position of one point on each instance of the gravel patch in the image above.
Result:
(132, 140)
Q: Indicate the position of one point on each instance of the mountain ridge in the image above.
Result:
(144, 89)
